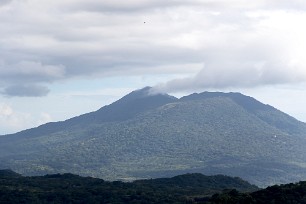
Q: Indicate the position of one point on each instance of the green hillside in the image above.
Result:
(210, 133)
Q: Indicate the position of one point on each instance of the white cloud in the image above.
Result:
(259, 42)
(12, 120)
(268, 50)
(5, 110)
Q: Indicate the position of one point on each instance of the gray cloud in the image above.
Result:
(31, 71)
(54, 41)
(126, 6)
(4, 2)
(144, 5)
(244, 60)
(31, 75)
(26, 91)
(246, 76)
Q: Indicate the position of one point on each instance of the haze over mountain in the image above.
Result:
(146, 135)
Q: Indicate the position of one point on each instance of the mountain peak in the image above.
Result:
(143, 93)
(139, 93)
(134, 103)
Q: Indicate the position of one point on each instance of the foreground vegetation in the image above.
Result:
(288, 193)
(187, 188)
(69, 188)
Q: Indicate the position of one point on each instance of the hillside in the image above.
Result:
(150, 136)
(187, 188)
(286, 193)
(69, 188)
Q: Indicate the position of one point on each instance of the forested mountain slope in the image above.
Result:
(144, 135)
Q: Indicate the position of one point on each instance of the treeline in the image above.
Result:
(286, 193)
(69, 188)
(187, 188)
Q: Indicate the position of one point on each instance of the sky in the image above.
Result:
(60, 59)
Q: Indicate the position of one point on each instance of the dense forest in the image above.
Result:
(187, 188)
(286, 193)
(69, 188)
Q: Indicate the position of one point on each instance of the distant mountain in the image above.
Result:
(145, 135)
(7, 173)
(126, 108)
(69, 188)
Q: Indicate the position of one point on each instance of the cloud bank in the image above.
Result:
(269, 51)
(238, 43)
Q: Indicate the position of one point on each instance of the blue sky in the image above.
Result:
(59, 59)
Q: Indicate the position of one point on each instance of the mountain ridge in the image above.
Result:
(252, 105)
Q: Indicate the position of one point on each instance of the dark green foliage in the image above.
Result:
(288, 193)
(188, 188)
(200, 181)
(69, 188)
(7, 173)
